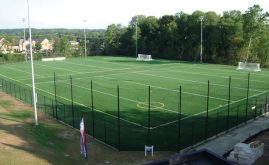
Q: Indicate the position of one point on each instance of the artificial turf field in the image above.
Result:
(139, 83)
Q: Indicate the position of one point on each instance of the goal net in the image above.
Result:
(143, 57)
(249, 66)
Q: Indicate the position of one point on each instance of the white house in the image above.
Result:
(46, 45)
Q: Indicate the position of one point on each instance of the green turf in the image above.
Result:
(134, 78)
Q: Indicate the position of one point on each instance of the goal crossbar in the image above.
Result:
(249, 66)
(143, 57)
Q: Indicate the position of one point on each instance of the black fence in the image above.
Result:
(115, 130)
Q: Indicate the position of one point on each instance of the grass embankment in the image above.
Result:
(51, 142)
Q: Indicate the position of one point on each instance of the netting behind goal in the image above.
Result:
(249, 66)
(143, 57)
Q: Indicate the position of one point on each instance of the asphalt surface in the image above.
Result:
(224, 143)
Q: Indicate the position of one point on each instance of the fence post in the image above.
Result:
(64, 113)
(179, 120)
(92, 111)
(192, 132)
(118, 93)
(149, 117)
(229, 101)
(31, 96)
(10, 89)
(256, 106)
(207, 106)
(52, 106)
(247, 99)
(105, 130)
(2, 88)
(20, 92)
(14, 87)
(55, 96)
(72, 101)
(237, 113)
(217, 122)
(266, 105)
(24, 95)
(5, 86)
(45, 105)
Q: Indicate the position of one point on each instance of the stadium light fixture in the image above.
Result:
(25, 53)
(32, 66)
(201, 51)
(85, 51)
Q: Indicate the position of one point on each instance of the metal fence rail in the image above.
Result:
(113, 128)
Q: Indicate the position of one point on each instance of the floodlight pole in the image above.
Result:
(136, 38)
(32, 66)
(25, 53)
(85, 37)
(201, 51)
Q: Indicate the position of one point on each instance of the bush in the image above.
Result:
(18, 57)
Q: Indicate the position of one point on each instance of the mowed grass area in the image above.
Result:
(134, 78)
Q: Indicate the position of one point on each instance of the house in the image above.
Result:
(74, 45)
(15, 48)
(4, 45)
(23, 44)
(46, 45)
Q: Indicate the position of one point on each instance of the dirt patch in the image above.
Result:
(52, 142)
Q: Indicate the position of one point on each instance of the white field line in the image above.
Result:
(222, 70)
(152, 86)
(98, 61)
(171, 90)
(88, 66)
(166, 88)
(79, 73)
(141, 84)
(198, 82)
(171, 78)
(28, 73)
(59, 68)
(197, 66)
(213, 109)
(63, 75)
(77, 103)
(123, 98)
(210, 75)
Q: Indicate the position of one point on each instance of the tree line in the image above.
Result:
(227, 38)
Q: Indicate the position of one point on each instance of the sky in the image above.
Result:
(101, 13)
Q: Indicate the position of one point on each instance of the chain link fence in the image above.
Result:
(150, 116)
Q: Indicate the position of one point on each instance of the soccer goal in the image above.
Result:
(249, 66)
(144, 57)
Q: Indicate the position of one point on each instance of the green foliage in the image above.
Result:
(38, 46)
(17, 57)
(225, 37)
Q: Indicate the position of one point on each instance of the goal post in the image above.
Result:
(249, 66)
(144, 57)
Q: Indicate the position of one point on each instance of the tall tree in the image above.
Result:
(256, 30)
